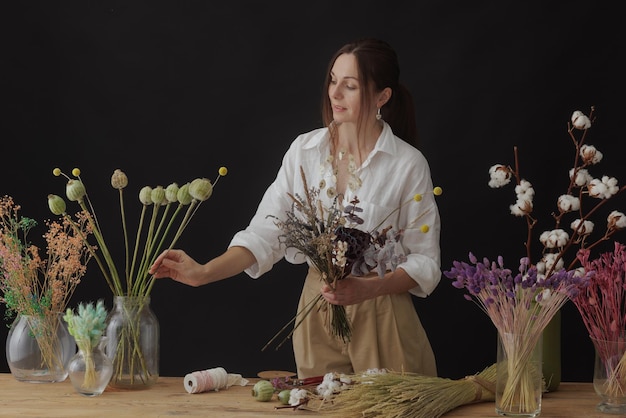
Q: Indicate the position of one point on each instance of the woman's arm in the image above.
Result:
(179, 266)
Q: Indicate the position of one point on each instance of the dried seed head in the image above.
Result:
(145, 195)
(183, 195)
(75, 190)
(171, 193)
(158, 195)
(201, 189)
(56, 204)
(119, 180)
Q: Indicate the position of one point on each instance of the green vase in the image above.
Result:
(552, 353)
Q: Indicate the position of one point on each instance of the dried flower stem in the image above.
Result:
(407, 395)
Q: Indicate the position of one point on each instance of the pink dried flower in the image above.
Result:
(29, 284)
(602, 303)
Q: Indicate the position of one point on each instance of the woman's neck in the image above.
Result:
(349, 141)
(350, 151)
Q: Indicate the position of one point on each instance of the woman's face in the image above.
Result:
(344, 90)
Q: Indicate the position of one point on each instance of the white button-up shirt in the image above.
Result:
(392, 174)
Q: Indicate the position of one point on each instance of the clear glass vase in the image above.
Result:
(609, 375)
(132, 342)
(519, 377)
(38, 349)
(90, 371)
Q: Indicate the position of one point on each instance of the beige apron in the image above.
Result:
(386, 333)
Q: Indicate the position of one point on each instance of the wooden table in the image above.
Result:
(168, 397)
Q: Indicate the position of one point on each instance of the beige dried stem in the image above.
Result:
(409, 395)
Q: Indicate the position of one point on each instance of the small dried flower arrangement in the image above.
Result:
(87, 326)
(38, 287)
(330, 239)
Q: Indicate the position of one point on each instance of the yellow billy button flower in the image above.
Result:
(183, 195)
(158, 195)
(56, 204)
(57, 172)
(437, 191)
(171, 193)
(201, 189)
(119, 180)
(75, 190)
(223, 171)
(424, 228)
(76, 172)
(145, 195)
(417, 197)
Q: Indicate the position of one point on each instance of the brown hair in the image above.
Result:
(378, 68)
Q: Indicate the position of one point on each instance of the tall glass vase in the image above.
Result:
(609, 375)
(132, 341)
(519, 378)
(38, 349)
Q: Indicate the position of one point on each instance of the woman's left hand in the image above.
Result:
(351, 290)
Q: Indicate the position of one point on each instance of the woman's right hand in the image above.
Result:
(177, 265)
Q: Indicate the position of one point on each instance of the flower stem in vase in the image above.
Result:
(90, 370)
(609, 378)
(133, 342)
(519, 381)
(129, 358)
(45, 332)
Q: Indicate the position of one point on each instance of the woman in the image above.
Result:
(366, 111)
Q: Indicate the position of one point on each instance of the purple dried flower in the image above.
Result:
(512, 301)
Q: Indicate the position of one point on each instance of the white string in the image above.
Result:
(206, 380)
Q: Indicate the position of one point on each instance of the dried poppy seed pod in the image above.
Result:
(201, 189)
(158, 195)
(145, 195)
(183, 195)
(171, 193)
(56, 204)
(75, 190)
(119, 180)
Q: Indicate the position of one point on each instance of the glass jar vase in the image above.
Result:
(609, 375)
(519, 377)
(132, 342)
(90, 371)
(39, 348)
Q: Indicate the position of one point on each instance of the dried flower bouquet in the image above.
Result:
(36, 287)
(330, 239)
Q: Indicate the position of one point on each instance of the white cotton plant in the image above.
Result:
(582, 187)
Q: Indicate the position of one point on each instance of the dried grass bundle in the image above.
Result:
(407, 395)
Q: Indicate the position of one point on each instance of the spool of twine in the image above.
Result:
(206, 380)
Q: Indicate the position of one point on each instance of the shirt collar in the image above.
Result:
(386, 142)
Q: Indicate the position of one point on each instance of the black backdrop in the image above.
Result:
(170, 91)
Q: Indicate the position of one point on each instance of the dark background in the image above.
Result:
(171, 91)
